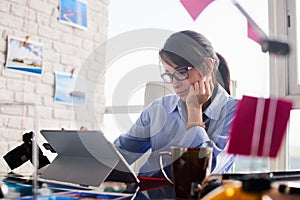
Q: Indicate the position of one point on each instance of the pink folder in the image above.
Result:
(259, 126)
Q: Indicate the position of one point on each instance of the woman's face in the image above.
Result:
(182, 88)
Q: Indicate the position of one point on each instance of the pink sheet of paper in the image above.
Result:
(252, 34)
(254, 31)
(195, 7)
(259, 126)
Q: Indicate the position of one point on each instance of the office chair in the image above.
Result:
(153, 90)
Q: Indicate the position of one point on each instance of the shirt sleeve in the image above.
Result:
(136, 141)
(217, 139)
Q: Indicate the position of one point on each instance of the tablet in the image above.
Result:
(86, 158)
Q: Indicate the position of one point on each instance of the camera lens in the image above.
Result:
(17, 156)
(23, 153)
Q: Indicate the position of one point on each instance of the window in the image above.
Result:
(125, 87)
(293, 141)
(221, 22)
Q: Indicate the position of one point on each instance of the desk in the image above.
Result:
(166, 192)
(22, 188)
(148, 189)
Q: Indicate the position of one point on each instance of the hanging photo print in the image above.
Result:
(24, 56)
(73, 12)
(65, 91)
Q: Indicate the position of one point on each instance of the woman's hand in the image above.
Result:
(200, 92)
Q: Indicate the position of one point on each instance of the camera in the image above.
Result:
(23, 153)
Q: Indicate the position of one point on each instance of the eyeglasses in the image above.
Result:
(181, 73)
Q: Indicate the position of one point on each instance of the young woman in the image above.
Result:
(199, 114)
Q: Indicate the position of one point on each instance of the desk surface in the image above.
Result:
(148, 189)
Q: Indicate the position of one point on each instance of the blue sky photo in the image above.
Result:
(74, 12)
(64, 87)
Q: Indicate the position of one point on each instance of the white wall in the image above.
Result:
(65, 47)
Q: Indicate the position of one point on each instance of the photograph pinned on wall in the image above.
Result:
(24, 56)
(73, 12)
(65, 91)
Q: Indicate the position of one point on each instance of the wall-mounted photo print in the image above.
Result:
(73, 12)
(24, 56)
(65, 91)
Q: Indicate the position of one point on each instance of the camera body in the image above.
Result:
(23, 153)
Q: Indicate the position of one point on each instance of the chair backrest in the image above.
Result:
(155, 90)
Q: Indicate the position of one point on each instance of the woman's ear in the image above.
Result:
(210, 64)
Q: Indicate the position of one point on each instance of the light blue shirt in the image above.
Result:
(163, 125)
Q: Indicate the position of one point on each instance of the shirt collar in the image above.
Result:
(173, 104)
(213, 111)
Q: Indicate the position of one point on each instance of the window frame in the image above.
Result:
(283, 79)
(283, 69)
(294, 86)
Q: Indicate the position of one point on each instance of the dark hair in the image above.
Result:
(177, 60)
(188, 48)
(223, 76)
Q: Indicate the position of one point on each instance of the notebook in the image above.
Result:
(86, 158)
